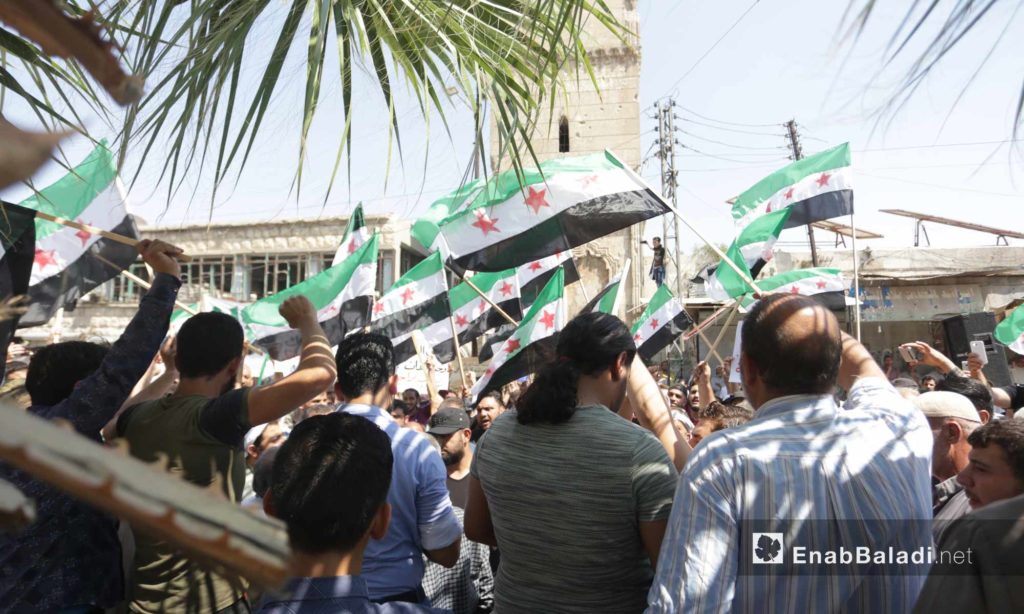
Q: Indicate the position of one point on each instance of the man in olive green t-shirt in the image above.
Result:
(200, 428)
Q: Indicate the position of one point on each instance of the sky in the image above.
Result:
(737, 71)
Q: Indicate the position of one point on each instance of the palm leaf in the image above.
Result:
(961, 18)
(513, 52)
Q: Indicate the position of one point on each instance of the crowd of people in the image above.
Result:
(598, 484)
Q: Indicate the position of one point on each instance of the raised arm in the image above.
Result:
(652, 411)
(96, 398)
(702, 375)
(856, 363)
(316, 371)
(153, 390)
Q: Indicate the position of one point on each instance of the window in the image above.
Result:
(123, 290)
(563, 135)
(271, 273)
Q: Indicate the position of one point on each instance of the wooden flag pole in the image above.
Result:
(93, 230)
(503, 313)
(732, 314)
(458, 354)
(189, 310)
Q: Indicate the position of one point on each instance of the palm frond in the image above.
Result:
(961, 18)
(513, 51)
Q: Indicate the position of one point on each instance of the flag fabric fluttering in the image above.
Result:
(816, 188)
(825, 284)
(533, 276)
(605, 301)
(661, 323)
(17, 253)
(472, 315)
(67, 261)
(178, 317)
(417, 301)
(750, 251)
(567, 202)
(494, 342)
(342, 296)
(1010, 332)
(533, 343)
(356, 233)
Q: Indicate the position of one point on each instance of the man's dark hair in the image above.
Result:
(329, 480)
(927, 377)
(1008, 435)
(493, 394)
(55, 369)
(208, 342)
(804, 363)
(400, 405)
(412, 390)
(589, 344)
(365, 361)
(978, 393)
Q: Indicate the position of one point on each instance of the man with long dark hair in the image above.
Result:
(576, 496)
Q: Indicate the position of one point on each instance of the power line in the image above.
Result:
(942, 187)
(724, 144)
(736, 130)
(720, 121)
(935, 146)
(726, 159)
(715, 44)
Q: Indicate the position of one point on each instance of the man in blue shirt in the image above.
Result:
(423, 521)
(330, 484)
(71, 557)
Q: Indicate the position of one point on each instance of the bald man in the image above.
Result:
(759, 507)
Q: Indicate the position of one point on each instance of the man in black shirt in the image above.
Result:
(658, 262)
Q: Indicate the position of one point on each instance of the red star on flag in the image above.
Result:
(536, 200)
(84, 236)
(407, 295)
(45, 258)
(768, 209)
(512, 345)
(794, 290)
(378, 307)
(637, 337)
(489, 372)
(505, 289)
(461, 320)
(789, 194)
(482, 307)
(823, 180)
(654, 323)
(587, 180)
(535, 265)
(548, 320)
(821, 284)
(352, 246)
(485, 223)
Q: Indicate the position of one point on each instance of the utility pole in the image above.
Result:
(798, 154)
(667, 155)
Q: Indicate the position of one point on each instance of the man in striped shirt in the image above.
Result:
(811, 475)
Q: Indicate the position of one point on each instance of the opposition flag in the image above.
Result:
(565, 203)
(661, 323)
(67, 261)
(1010, 332)
(533, 276)
(495, 341)
(417, 301)
(17, 252)
(342, 296)
(356, 233)
(607, 299)
(222, 305)
(819, 187)
(532, 345)
(472, 315)
(826, 285)
(750, 251)
(178, 317)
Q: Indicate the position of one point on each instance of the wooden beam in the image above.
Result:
(923, 217)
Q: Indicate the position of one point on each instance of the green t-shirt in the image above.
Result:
(566, 501)
(200, 436)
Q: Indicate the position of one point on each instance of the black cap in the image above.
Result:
(447, 420)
